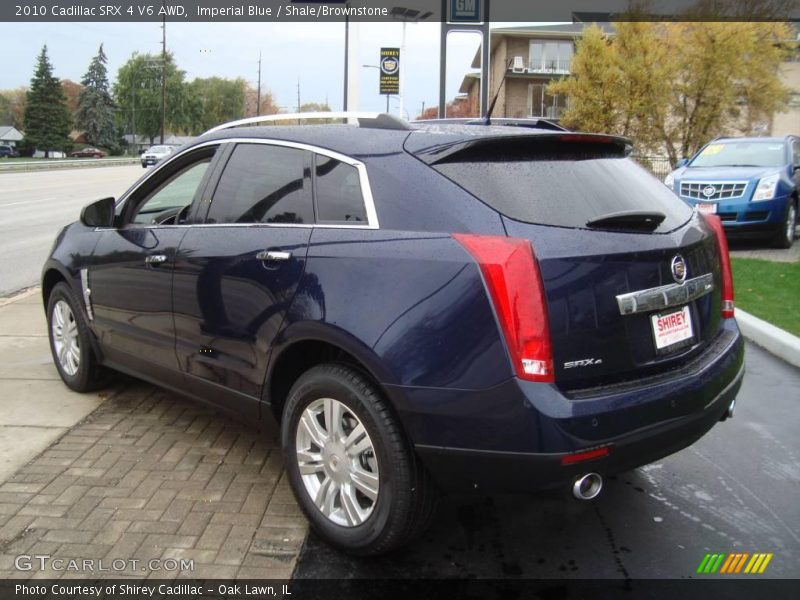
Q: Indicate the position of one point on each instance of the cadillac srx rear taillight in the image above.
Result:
(511, 274)
(725, 265)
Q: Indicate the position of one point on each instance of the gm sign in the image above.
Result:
(465, 11)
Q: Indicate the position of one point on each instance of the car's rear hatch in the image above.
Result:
(609, 239)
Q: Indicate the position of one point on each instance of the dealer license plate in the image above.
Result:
(707, 209)
(672, 328)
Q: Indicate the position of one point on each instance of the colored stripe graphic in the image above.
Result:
(717, 564)
(729, 564)
(766, 562)
(741, 562)
(703, 563)
(734, 563)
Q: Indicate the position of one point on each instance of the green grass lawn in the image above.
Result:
(769, 290)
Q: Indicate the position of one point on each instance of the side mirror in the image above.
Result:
(99, 213)
(681, 163)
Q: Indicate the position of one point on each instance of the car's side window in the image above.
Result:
(168, 200)
(796, 153)
(263, 183)
(337, 189)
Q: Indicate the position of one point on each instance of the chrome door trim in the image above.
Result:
(366, 189)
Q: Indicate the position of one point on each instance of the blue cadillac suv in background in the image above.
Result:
(751, 184)
(418, 308)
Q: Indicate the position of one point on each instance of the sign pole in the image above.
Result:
(467, 16)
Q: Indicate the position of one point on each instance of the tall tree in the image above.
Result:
(137, 92)
(72, 92)
(12, 107)
(95, 115)
(219, 100)
(268, 104)
(674, 86)
(593, 88)
(47, 120)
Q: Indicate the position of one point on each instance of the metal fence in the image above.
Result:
(657, 165)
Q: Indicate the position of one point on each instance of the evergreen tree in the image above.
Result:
(95, 107)
(47, 119)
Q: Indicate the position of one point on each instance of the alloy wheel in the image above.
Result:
(65, 338)
(336, 459)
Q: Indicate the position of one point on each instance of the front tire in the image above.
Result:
(70, 343)
(786, 236)
(349, 465)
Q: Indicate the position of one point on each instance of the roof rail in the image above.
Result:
(370, 120)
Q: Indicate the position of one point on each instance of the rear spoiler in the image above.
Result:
(537, 145)
(534, 123)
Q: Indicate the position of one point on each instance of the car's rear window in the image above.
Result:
(566, 184)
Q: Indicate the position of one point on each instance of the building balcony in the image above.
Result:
(522, 65)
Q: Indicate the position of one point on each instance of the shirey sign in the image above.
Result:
(390, 71)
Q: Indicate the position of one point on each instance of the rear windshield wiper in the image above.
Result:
(635, 220)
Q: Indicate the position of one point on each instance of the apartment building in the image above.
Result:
(532, 57)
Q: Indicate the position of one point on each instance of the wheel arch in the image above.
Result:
(305, 345)
(53, 274)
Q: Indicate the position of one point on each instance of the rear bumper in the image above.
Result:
(482, 471)
(513, 437)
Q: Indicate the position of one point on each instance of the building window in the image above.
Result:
(549, 57)
(542, 104)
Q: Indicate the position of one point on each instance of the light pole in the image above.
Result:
(387, 95)
(406, 15)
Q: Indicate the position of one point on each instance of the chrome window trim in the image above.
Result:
(363, 177)
(665, 296)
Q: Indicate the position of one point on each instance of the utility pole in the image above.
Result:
(258, 96)
(298, 94)
(163, 72)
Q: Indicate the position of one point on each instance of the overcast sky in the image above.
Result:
(312, 52)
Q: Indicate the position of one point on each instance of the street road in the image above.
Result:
(35, 205)
(735, 490)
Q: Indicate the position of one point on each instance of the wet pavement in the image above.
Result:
(736, 490)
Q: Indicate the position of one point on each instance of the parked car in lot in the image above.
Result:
(88, 153)
(8, 151)
(155, 154)
(751, 184)
(417, 307)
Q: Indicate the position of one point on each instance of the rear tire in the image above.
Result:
(350, 467)
(786, 236)
(70, 342)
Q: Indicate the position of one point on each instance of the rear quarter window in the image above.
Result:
(337, 189)
(565, 184)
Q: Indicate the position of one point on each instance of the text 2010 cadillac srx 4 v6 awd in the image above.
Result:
(419, 307)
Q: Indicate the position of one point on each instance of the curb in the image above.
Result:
(781, 343)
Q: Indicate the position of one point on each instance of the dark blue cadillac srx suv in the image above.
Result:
(419, 307)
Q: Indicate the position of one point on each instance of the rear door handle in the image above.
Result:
(273, 255)
(156, 259)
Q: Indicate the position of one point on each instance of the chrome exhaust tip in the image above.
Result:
(731, 409)
(587, 487)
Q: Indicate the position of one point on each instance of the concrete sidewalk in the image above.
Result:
(37, 408)
(133, 473)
